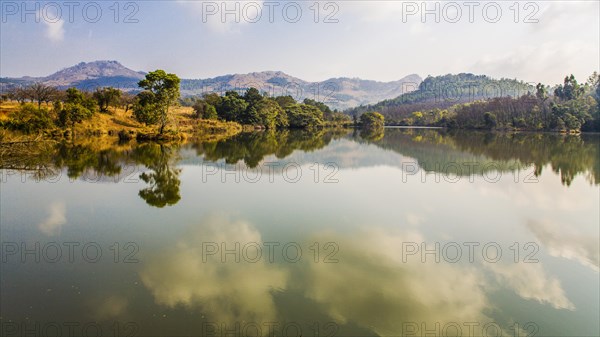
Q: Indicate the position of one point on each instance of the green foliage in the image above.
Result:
(72, 113)
(304, 116)
(541, 92)
(146, 110)
(570, 89)
(442, 92)
(372, 120)
(572, 108)
(161, 90)
(204, 110)
(106, 97)
(373, 134)
(252, 97)
(231, 107)
(490, 120)
(268, 114)
(163, 179)
(29, 119)
(212, 99)
(77, 97)
(285, 101)
(327, 113)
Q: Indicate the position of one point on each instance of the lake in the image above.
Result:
(405, 232)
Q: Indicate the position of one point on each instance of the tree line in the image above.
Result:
(151, 106)
(255, 108)
(571, 106)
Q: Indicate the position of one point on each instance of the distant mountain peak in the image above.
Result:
(85, 71)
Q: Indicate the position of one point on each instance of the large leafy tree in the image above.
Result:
(106, 97)
(78, 107)
(204, 110)
(372, 120)
(161, 90)
(569, 90)
(304, 116)
(268, 114)
(232, 106)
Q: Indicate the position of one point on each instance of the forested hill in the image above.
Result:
(445, 91)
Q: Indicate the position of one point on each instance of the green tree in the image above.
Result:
(106, 97)
(75, 96)
(268, 112)
(28, 118)
(372, 120)
(232, 107)
(569, 90)
(146, 110)
(204, 110)
(252, 97)
(164, 89)
(73, 113)
(304, 116)
(212, 99)
(490, 120)
(541, 92)
(327, 113)
(285, 101)
(78, 107)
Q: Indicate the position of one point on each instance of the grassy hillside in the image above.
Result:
(182, 124)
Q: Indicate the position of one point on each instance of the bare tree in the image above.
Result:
(40, 92)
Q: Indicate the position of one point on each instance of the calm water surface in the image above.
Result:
(403, 233)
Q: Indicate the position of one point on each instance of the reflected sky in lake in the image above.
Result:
(329, 233)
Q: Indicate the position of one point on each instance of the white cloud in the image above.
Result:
(55, 30)
(531, 282)
(391, 288)
(233, 292)
(56, 218)
(566, 242)
(576, 57)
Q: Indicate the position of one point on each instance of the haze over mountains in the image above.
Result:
(340, 93)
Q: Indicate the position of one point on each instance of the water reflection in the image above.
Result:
(232, 291)
(163, 177)
(438, 151)
(370, 290)
(449, 153)
(176, 288)
(251, 148)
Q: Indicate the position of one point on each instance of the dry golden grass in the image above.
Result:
(6, 108)
(182, 124)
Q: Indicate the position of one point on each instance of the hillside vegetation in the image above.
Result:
(467, 101)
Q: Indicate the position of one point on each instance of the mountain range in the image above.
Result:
(340, 93)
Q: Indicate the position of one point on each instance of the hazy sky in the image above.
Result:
(379, 40)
